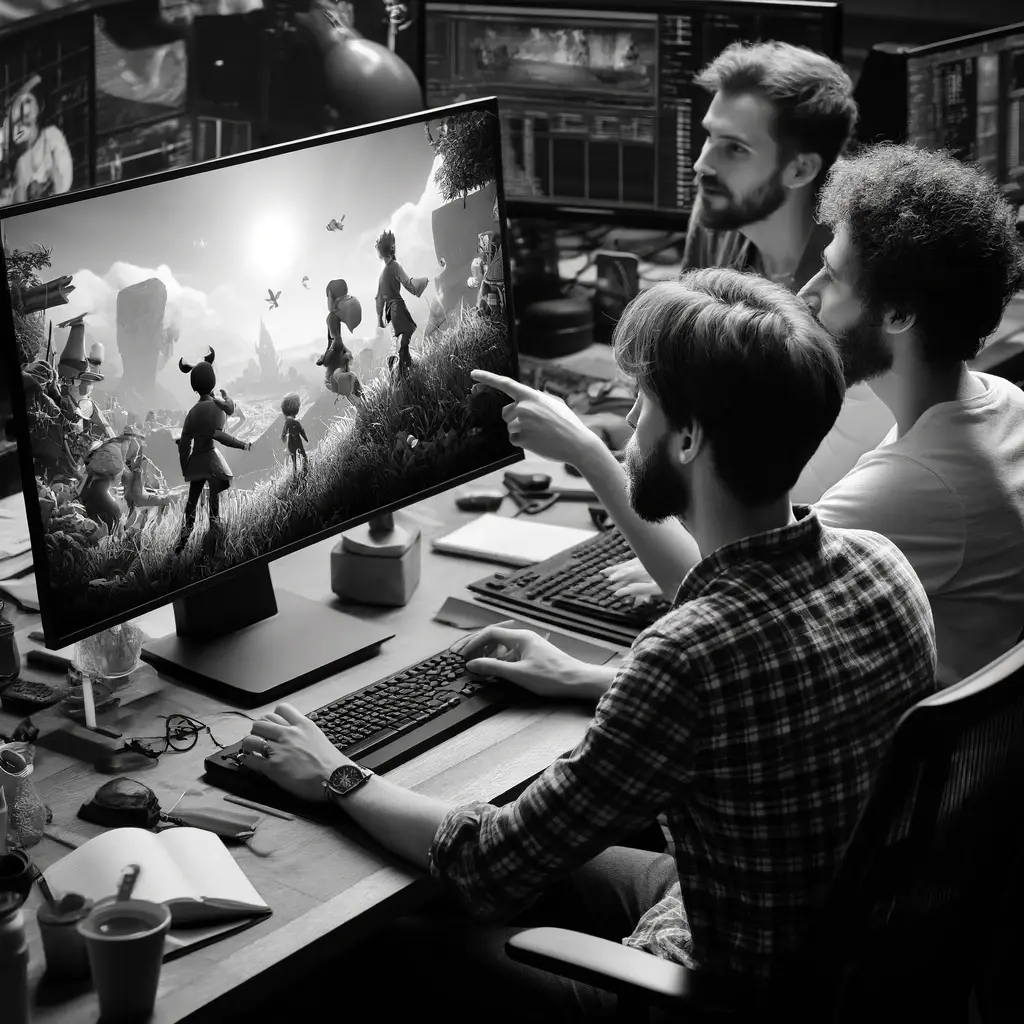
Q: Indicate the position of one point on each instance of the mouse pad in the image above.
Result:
(467, 615)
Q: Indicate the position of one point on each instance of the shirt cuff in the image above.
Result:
(460, 828)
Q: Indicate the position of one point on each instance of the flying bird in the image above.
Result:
(305, 283)
(272, 298)
(199, 243)
(335, 224)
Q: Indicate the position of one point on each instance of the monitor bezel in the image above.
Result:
(524, 208)
(54, 638)
(955, 42)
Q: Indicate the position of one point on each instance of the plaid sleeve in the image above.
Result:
(632, 762)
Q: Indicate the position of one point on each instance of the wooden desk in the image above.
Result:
(327, 886)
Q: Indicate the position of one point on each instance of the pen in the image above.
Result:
(253, 806)
(43, 887)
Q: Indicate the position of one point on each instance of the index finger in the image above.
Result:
(513, 388)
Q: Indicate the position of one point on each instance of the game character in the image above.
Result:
(137, 492)
(202, 464)
(293, 434)
(104, 464)
(44, 167)
(391, 307)
(78, 373)
(487, 274)
(342, 308)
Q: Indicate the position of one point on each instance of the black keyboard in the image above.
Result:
(381, 725)
(569, 590)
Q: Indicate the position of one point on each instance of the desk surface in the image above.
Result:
(327, 886)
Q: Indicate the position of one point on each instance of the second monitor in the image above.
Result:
(600, 114)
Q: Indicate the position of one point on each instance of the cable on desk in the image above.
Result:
(181, 733)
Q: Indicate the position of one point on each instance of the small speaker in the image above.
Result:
(556, 327)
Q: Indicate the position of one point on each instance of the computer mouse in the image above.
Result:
(480, 501)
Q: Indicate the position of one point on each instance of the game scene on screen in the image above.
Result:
(598, 57)
(252, 355)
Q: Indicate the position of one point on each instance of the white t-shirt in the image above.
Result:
(950, 495)
(862, 424)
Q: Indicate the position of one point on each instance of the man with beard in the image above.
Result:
(925, 256)
(780, 116)
(754, 737)
(924, 260)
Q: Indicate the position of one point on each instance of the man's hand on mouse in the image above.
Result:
(290, 750)
(540, 422)
(522, 657)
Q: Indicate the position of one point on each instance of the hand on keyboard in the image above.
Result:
(631, 579)
(522, 657)
(287, 748)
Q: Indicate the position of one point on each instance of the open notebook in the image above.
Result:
(189, 869)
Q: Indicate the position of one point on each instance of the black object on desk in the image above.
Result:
(569, 590)
(381, 725)
(482, 501)
(386, 723)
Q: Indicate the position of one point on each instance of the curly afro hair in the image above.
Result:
(932, 237)
(385, 244)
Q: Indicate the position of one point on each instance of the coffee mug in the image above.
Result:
(124, 940)
(16, 873)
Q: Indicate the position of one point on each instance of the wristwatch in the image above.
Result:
(344, 780)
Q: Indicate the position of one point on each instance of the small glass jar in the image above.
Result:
(26, 813)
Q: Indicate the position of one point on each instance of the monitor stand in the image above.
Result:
(242, 641)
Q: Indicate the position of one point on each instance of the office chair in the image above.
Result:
(914, 911)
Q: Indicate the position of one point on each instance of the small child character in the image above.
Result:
(344, 382)
(293, 434)
(391, 307)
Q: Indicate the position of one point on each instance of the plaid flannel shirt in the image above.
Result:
(750, 720)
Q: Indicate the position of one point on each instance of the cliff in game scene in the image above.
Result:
(456, 249)
(269, 361)
(141, 338)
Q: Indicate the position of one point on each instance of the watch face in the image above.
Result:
(345, 778)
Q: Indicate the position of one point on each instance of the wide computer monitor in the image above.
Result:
(600, 113)
(965, 95)
(111, 294)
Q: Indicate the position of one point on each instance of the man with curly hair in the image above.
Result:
(924, 258)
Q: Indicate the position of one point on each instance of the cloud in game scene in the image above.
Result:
(201, 319)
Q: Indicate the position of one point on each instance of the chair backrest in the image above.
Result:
(937, 840)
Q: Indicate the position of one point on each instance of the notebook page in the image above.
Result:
(207, 864)
(94, 869)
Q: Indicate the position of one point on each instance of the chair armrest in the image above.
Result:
(604, 964)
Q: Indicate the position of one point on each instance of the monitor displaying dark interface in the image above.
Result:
(967, 95)
(600, 115)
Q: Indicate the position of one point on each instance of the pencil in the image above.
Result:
(253, 806)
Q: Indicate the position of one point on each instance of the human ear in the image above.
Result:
(802, 170)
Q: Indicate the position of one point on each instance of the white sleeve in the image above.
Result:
(895, 496)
